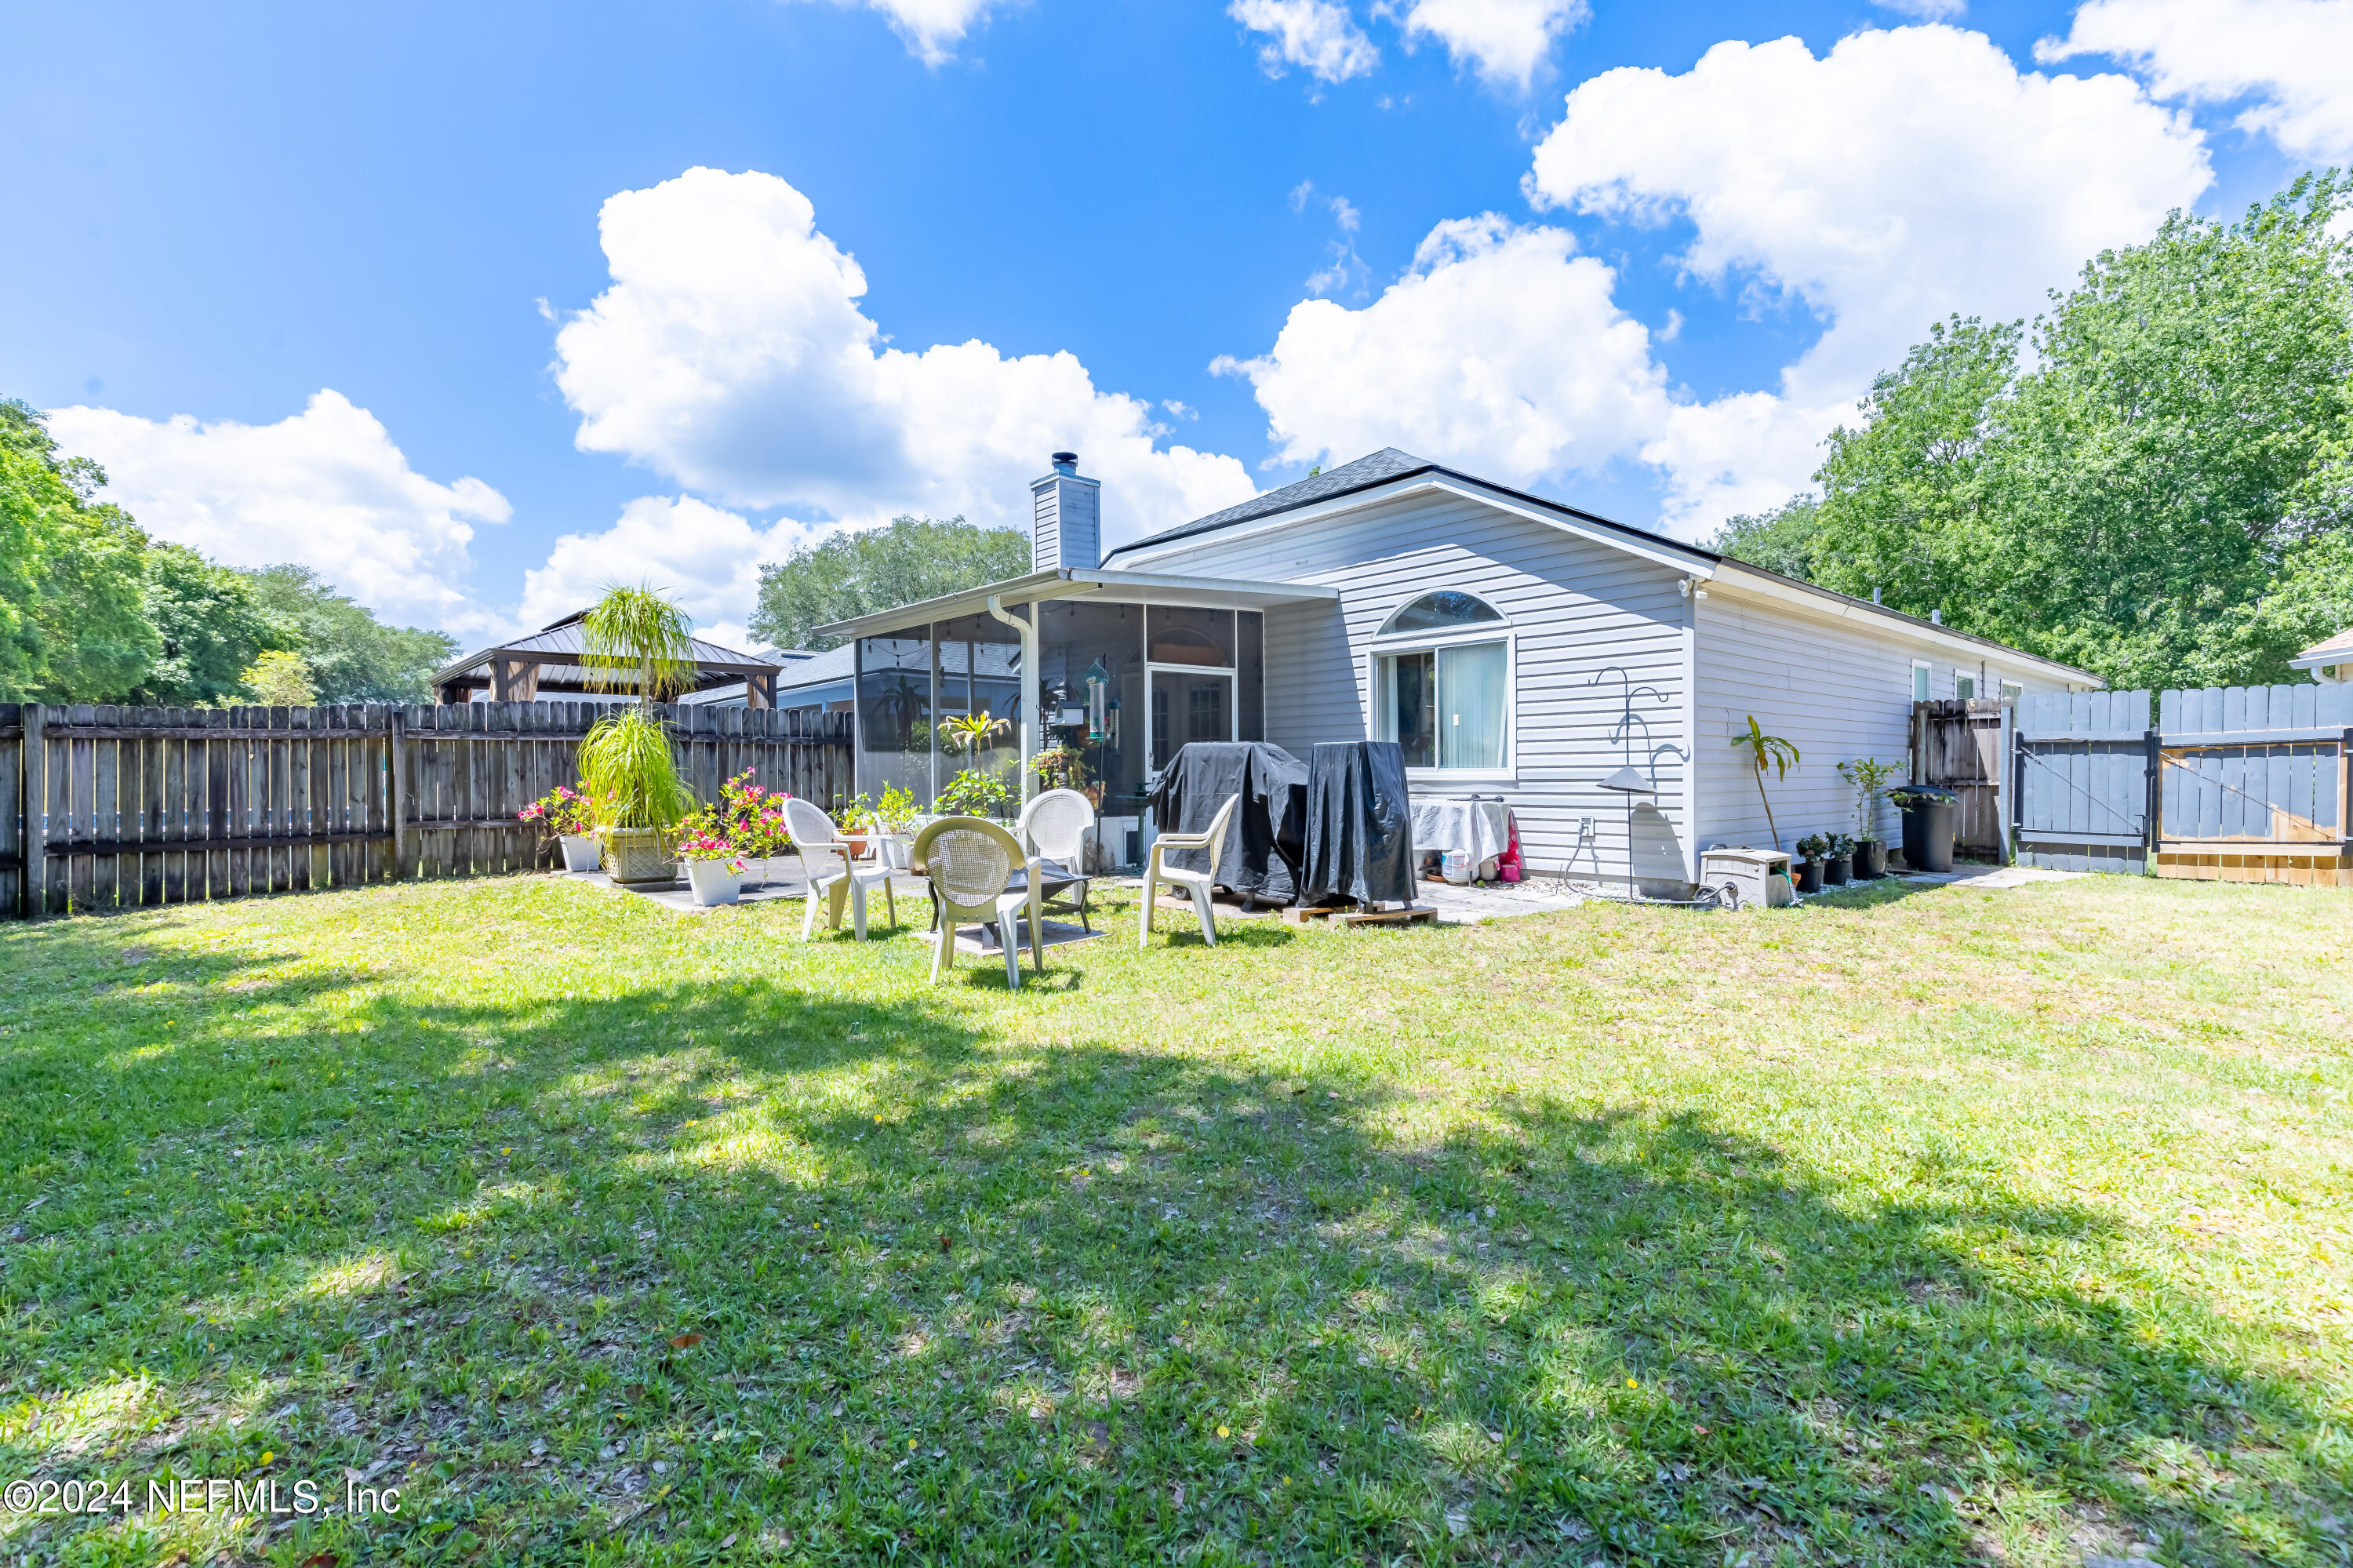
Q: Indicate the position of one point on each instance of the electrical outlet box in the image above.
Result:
(1585, 827)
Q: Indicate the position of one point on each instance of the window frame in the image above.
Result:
(1386, 644)
(1960, 675)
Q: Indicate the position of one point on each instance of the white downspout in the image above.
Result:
(1029, 689)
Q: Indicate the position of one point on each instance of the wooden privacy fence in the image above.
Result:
(2228, 783)
(112, 808)
(1958, 742)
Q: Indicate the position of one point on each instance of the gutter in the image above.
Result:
(1028, 632)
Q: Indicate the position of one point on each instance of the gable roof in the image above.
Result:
(1388, 466)
(1382, 466)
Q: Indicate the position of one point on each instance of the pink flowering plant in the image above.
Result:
(755, 817)
(703, 836)
(565, 812)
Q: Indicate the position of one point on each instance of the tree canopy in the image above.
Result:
(2153, 481)
(92, 610)
(859, 571)
(353, 657)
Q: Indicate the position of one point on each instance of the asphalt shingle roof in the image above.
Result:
(1379, 468)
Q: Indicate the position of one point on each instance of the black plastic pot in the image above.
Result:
(1840, 870)
(1928, 827)
(1870, 859)
(1808, 873)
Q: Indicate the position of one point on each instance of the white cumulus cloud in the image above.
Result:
(2293, 58)
(1318, 35)
(932, 28)
(326, 488)
(1501, 351)
(706, 558)
(1506, 41)
(1902, 177)
(730, 354)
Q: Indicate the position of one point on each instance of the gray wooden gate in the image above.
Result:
(2236, 783)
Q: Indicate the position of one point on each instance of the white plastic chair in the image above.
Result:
(969, 862)
(1054, 826)
(814, 836)
(1195, 882)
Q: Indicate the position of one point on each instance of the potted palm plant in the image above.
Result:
(1811, 850)
(636, 640)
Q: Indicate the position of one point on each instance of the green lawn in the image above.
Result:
(1921, 1228)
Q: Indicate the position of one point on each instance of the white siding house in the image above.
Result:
(1517, 648)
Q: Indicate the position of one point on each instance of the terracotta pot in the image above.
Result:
(636, 856)
(855, 840)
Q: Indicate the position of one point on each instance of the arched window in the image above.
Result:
(1444, 610)
(1442, 683)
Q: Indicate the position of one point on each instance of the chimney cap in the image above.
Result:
(1061, 459)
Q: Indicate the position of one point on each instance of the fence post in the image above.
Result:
(2152, 835)
(36, 819)
(395, 803)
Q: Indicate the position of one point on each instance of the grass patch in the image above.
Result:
(1908, 1227)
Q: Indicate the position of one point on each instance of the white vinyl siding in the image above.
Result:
(1575, 610)
(1837, 689)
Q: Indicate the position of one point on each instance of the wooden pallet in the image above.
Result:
(1346, 914)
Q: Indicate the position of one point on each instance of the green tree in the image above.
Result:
(859, 571)
(1781, 540)
(280, 679)
(73, 624)
(353, 656)
(211, 627)
(2162, 491)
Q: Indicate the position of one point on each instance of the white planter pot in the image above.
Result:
(582, 852)
(714, 882)
(894, 851)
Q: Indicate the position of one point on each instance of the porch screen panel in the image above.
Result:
(894, 718)
(1091, 658)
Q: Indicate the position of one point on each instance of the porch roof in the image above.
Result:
(2336, 650)
(1070, 582)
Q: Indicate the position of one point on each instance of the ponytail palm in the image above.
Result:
(638, 641)
(625, 763)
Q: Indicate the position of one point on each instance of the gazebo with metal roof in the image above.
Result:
(549, 661)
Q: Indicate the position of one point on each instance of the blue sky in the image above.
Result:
(329, 285)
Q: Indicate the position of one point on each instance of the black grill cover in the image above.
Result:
(1359, 823)
(1266, 839)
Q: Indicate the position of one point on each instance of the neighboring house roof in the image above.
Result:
(1389, 466)
(558, 649)
(2336, 650)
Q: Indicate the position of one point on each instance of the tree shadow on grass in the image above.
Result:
(868, 1282)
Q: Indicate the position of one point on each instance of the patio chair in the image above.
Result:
(1054, 826)
(1195, 883)
(969, 862)
(818, 840)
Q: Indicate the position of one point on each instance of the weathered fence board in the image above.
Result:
(108, 808)
(1957, 743)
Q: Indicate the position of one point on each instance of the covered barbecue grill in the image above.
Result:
(1266, 840)
(1360, 825)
